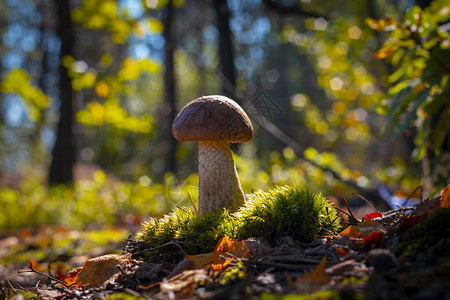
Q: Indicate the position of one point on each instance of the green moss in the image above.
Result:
(425, 234)
(285, 211)
(272, 214)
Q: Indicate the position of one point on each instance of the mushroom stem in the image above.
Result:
(219, 184)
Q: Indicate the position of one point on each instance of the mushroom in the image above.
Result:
(215, 121)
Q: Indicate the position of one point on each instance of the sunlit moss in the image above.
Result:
(272, 214)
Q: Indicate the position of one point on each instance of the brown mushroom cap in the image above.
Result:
(212, 118)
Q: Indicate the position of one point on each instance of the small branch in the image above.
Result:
(193, 204)
(365, 200)
(349, 210)
(292, 9)
(317, 221)
(413, 192)
(32, 270)
(161, 246)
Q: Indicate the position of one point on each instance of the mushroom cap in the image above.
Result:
(212, 118)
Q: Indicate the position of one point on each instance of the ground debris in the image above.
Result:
(399, 254)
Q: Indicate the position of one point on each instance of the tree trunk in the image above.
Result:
(168, 108)
(226, 56)
(61, 167)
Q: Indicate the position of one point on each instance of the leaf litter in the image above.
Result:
(373, 257)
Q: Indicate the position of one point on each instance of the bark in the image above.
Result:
(168, 108)
(226, 55)
(61, 167)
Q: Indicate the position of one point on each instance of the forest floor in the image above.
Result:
(398, 254)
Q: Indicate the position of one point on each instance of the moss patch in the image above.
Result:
(272, 214)
(426, 234)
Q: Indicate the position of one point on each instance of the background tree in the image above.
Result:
(63, 154)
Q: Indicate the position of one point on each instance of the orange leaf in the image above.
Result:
(350, 231)
(235, 247)
(384, 52)
(340, 251)
(445, 197)
(221, 257)
(35, 265)
(314, 279)
(72, 277)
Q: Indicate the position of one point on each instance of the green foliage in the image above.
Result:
(101, 201)
(419, 94)
(279, 212)
(18, 81)
(101, 14)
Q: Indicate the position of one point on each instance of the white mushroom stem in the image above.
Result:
(219, 185)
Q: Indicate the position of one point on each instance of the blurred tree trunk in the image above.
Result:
(226, 55)
(61, 167)
(168, 107)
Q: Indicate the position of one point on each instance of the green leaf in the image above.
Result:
(399, 87)
(412, 115)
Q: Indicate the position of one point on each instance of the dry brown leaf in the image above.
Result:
(445, 197)
(369, 226)
(427, 207)
(184, 283)
(99, 270)
(313, 280)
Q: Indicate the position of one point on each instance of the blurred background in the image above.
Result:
(346, 97)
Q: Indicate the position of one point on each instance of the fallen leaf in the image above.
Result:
(340, 251)
(350, 231)
(314, 279)
(183, 283)
(226, 251)
(374, 238)
(100, 270)
(72, 277)
(341, 268)
(445, 197)
(407, 223)
(369, 226)
(372, 216)
(427, 207)
(35, 265)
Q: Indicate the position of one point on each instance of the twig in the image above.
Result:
(193, 204)
(413, 192)
(12, 287)
(160, 246)
(329, 219)
(30, 266)
(365, 200)
(317, 221)
(348, 207)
